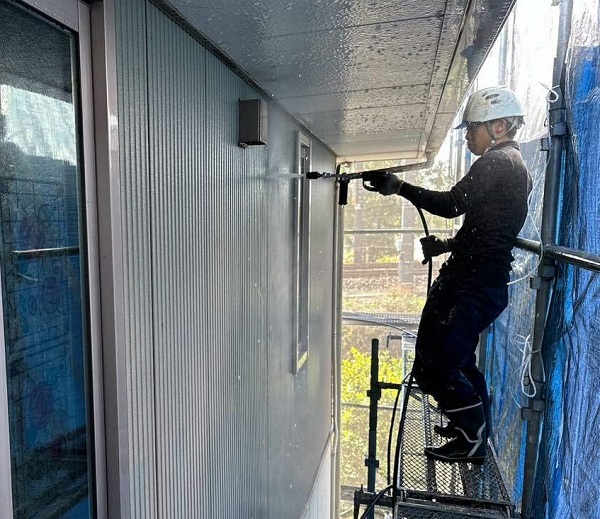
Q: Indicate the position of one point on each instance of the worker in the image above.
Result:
(471, 289)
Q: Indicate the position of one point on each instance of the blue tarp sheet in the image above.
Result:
(567, 482)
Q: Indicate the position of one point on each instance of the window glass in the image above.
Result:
(43, 270)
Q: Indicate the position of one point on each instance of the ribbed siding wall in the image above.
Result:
(235, 276)
(137, 266)
(178, 215)
(219, 426)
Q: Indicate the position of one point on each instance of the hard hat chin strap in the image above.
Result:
(488, 127)
(511, 122)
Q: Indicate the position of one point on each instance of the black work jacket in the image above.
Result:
(493, 196)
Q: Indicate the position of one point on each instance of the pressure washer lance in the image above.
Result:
(369, 178)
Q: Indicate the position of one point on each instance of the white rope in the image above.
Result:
(525, 367)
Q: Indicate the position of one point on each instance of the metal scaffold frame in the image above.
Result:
(422, 488)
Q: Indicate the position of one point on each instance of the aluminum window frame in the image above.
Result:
(110, 257)
(75, 16)
(6, 508)
(302, 212)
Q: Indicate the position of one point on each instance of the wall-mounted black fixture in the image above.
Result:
(252, 122)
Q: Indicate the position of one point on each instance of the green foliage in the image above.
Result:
(368, 211)
(348, 255)
(355, 420)
(387, 258)
(356, 375)
(439, 177)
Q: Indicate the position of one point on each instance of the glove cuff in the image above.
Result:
(399, 190)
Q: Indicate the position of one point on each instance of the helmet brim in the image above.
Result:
(462, 125)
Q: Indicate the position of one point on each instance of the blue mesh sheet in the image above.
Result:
(568, 472)
(527, 69)
(568, 482)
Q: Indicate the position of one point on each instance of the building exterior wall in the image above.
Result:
(319, 504)
(299, 406)
(218, 425)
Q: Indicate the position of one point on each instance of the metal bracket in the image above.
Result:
(535, 283)
(375, 393)
(390, 385)
(545, 273)
(366, 498)
(545, 144)
(558, 125)
(535, 407)
(371, 463)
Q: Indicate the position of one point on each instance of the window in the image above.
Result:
(301, 298)
(46, 347)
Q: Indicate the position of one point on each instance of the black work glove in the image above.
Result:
(387, 184)
(433, 246)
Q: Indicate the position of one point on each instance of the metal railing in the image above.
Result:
(567, 255)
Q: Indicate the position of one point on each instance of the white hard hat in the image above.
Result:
(490, 104)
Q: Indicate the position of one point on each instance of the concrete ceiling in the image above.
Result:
(373, 79)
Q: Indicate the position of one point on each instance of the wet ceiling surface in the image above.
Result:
(372, 79)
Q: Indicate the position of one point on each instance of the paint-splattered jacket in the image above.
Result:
(493, 197)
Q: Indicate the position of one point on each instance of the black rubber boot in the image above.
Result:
(446, 431)
(470, 445)
(450, 431)
(478, 382)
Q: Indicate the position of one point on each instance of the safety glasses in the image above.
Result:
(472, 126)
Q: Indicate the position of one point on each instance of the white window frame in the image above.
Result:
(302, 254)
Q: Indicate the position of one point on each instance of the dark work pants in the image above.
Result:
(457, 310)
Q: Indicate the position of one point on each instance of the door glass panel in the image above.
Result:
(43, 270)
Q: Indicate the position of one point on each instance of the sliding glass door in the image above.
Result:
(44, 293)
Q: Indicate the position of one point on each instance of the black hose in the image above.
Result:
(429, 263)
(401, 430)
(389, 445)
(373, 503)
(410, 377)
(404, 406)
